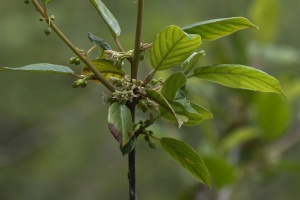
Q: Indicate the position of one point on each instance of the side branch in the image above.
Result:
(138, 40)
(98, 75)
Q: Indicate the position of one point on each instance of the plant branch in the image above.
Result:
(138, 40)
(98, 75)
(119, 44)
(134, 75)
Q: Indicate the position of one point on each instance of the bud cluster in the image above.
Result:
(125, 89)
(82, 82)
(118, 57)
(148, 139)
(74, 60)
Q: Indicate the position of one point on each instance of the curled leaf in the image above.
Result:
(98, 41)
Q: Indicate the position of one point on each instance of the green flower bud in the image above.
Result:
(147, 138)
(75, 84)
(72, 60)
(52, 17)
(41, 19)
(48, 31)
(77, 61)
(26, 1)
(152, 144)
(154, 81)
(84, 84)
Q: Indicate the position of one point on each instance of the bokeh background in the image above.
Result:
(54, 141)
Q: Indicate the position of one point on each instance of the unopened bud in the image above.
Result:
(48, 31)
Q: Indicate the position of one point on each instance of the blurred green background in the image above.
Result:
(54, 141)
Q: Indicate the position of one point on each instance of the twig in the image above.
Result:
(98, 75)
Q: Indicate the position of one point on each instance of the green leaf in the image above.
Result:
(106, 68)
(98, 41)
(127, 148)
(172, 85)
(216, 28)
(191, 61)
(120, 123)
(174, 91)
(239, 76)
(187, 158)
(203, 111)
(171, 47)
(41, 68)
(108, 18)
(158, 98)
(273, 115)
(222, 173)
(269, 24)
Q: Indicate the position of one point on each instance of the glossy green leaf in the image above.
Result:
(222, 173)
(187, 158)
(98, 41)
(216, 28)
(158, 98)
(106, 68)
(120, 123)
(239, 76)
(191, 61)
(172, 85)
(171, 47)
(41, 68)
(108, 17)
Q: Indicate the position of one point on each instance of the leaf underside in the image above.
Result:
(41, 68)
(107, 16)
(187, 158)
(239, 76)
(216, 28)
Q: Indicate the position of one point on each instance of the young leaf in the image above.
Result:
(191, 61)
(239, 76)
(41, 68)
(172, 85)
(106, 68)
(216, 28)
(191, 118)
(203, 111)
(187, 158)
(120, 123)
(158, 98)
(127, 148)
(108, 18)
(98, 41)
(171, 47)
